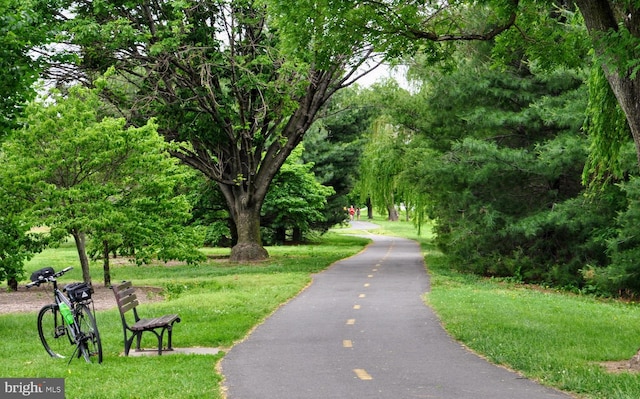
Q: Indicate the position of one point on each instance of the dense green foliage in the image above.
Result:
(82, 174)
(334, 145)
(495, 157)
(515, 154)
(23, 27)
(295, 201)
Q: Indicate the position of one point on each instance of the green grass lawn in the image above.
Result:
(556, 338)
(559, 339)
(219, 303)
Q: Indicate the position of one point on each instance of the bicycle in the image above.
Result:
(69, 321)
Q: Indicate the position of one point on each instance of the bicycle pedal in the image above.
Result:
(60, 331)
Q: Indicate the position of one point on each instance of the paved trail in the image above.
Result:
(360, 331)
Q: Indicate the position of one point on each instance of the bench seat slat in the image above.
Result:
(125, 307)
(145, 324)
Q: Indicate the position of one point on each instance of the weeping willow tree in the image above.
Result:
(608, 131)
(381, 164)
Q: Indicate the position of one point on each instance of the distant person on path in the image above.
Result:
(352, 212)
(358, 213)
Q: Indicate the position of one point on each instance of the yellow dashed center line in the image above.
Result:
(361, 296)
(362, 374)
(356, 307)
(371, 275)
(351, 322)
(367, 284)
(347, 343)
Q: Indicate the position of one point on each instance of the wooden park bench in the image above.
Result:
(128, 302)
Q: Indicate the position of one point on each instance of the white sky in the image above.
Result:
(385, 72)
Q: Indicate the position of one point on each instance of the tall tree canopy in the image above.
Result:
(236, 82)
(613, 27)
(334, 145)
(83, 174)
(22, 30)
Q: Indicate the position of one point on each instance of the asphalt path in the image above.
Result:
(362, 330)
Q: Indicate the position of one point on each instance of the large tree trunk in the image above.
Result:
(80, 240)
(604, 16)
(246, 216)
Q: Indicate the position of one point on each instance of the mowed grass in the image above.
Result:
(556, 338)
(219, 303)
(560, 339)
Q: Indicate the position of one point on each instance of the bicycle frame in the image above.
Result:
(60, 297)
(54, 323)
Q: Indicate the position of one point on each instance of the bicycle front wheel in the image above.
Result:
(53, 332)
(89, 337)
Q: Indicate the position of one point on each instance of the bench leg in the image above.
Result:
(128, 343)
(169, 333)
(137, 335)
(138, 339)
(160, 341)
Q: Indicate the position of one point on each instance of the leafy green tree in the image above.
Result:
(295, 200)
(237, 83)
(83, 174)
(17, 242)
(334, 145)
(381, 164)
(22, 29)
(149, 220)
(383, 156)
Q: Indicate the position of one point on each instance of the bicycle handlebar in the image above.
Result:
(42, 279)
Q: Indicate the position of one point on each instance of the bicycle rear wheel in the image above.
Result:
(90, 343)
(54, 334)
